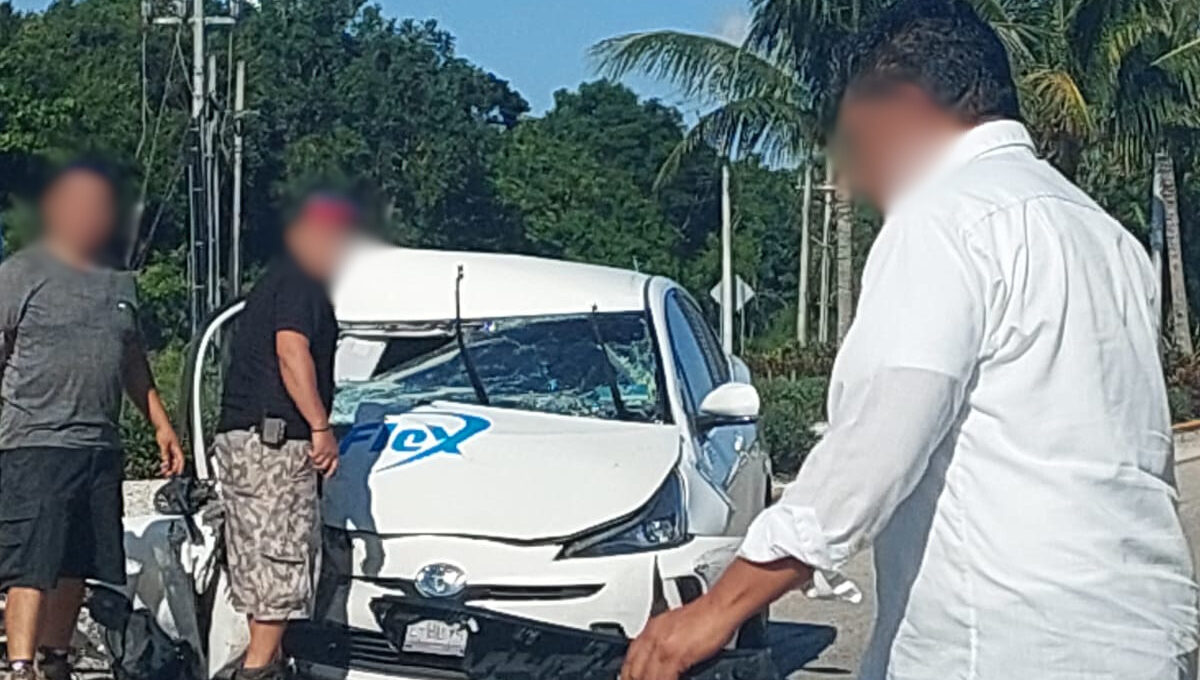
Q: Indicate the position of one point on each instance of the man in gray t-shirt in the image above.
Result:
(70, 347)
(67, 332)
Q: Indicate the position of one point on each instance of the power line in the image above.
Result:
(205, 292)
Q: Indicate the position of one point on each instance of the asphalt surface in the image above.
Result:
(853, 622)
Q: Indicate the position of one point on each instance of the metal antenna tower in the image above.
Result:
(203, 170)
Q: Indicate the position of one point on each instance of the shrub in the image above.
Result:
(790, 409)
(791, 361)
(1183, 386)
(141, 450)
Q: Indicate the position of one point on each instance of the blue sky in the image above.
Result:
(541, 45)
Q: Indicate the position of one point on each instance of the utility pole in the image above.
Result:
(726, 263)
(823, 312)
(806, 191)
(212, 167)
(204, 253)
(235, 216)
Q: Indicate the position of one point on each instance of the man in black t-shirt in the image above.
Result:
(274, 432)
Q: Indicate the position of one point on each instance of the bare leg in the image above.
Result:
(21, 617)
(266, 638)
(61, 614)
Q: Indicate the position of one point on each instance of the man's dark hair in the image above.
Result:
(942, 47)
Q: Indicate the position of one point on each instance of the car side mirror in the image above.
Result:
(729, 404)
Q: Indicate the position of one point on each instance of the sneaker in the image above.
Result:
(55, 665)
(275, 671)
(26, 672)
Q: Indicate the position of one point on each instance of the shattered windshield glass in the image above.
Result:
(600, 365)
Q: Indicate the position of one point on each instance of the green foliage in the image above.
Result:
(792, 361)
(1183, 387)
(141, 450)
(791, 407)
(574, 205)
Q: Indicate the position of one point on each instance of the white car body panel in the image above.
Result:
(515, 468)
(504, 502)
(384, 284)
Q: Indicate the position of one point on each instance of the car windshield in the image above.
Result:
(600, 365)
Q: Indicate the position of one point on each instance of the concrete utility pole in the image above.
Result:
(806, 192)
(726, 263)
(823, 312)
(235, 217)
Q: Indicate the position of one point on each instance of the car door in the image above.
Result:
(203, 382)
(724, 454)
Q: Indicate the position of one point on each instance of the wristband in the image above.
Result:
(322, 429)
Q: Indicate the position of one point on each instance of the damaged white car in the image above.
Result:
(537, 456)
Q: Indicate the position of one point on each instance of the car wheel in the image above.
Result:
(753, 633)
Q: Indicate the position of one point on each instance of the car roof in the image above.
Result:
(381, 284)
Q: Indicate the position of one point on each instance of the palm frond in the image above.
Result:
(1018, 34)
(1102, 33)
(700, 66)
(1056, 105)
(774, 130)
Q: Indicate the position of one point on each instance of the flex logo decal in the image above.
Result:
(414, 436)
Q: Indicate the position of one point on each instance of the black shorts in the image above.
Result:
(60, 516)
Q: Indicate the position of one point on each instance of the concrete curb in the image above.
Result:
(1187, 446)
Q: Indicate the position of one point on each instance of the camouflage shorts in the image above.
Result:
(272, 529)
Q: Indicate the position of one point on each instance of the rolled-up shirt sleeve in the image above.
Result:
(898, 387)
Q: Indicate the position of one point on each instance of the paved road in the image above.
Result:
(853, 622)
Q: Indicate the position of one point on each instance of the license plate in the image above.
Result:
(436, 637)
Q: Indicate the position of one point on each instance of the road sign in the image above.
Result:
(742, 293)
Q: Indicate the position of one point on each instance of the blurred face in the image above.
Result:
(80, 211)
(318, 241)
(885, 139)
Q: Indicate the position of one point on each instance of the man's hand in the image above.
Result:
(679, 639)
(169, 451)
(675, 641)
(324, 452)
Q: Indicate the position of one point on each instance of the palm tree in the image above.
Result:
(756, 103)
(766, 93)
(1125, 72)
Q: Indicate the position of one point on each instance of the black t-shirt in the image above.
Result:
(285, 299)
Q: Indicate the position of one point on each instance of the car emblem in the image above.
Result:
(440, 580)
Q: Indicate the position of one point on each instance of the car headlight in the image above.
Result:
(661, 523)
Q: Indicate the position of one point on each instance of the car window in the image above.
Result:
(714, 356)
(600, 365)
(691, 355)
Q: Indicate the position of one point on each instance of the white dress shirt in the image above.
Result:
(999, 432)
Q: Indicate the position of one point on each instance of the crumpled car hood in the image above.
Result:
(457, 469)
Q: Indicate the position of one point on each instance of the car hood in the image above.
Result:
(456, 469)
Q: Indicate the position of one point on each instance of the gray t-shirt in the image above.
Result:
(65, 334)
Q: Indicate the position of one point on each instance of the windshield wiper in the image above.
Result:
(609, 370)
(468, 363)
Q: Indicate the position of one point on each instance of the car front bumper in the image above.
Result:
(498, 647)
(610, 596)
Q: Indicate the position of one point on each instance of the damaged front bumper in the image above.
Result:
(482, 645)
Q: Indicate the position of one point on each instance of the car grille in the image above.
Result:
(340, 646)
(498, 593)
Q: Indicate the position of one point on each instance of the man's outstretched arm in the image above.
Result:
(682, 638)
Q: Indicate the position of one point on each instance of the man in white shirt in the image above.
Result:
(999, 428)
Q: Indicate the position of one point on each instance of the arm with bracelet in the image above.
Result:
(293, 328)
